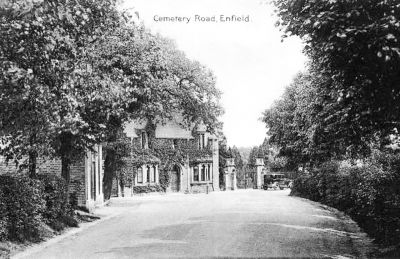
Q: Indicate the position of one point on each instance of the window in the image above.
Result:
(148, 174)
(196, 174)
(201, 141)
(144, 140)
(209, 173)
(203, 173)
(154, 174)
(140, 175)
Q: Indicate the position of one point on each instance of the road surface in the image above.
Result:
(231, 224)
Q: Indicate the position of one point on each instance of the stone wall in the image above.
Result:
(201, 187)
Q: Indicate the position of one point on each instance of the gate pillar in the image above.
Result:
(259, 167)
(230, 175)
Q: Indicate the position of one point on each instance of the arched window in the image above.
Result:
(196, 174)
(203, 173)
(140, 175)
(148, 174)
(209, 173)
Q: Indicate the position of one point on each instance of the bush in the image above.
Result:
(58, 211)
(147, 189)
(370, 193)
(56, 197)
(3, 216)
(377, 203)
(165, 179)
(24, 206)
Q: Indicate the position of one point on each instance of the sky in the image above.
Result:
(251, 64)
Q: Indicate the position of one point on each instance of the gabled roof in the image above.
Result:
(168, 130)
(201, 127)
(129, 130)
(173, 130)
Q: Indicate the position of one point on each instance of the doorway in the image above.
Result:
(175, 178)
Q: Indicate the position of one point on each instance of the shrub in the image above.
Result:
(377, 203)
(3, 216)
(58, 211)
(165, 180)
(56, 197)
(24, 206)
(147, 189)
(305, 186)
(73, 200)
(370, 193)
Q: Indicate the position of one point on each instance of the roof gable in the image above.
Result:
(173, 130)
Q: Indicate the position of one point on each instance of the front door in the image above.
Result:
(175, 179)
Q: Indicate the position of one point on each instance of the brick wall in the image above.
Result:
(53, 166)
(77, 182)
(9, 167)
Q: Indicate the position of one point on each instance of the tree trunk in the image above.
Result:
(65, 168)
(110, 159)
(66, 150)
(32, 157)
(109, 173)
(32, 164)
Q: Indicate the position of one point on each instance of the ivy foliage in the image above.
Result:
(166, 153)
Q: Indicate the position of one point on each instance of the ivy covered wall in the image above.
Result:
(165, 153)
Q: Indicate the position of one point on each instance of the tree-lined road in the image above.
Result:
(239, 224)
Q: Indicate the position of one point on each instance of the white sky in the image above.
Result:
(250, 62)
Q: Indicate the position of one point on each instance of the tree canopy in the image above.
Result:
(72, 73)
(347, 99)
(353, 46)
(47, 103)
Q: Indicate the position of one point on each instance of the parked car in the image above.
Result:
(276, 181)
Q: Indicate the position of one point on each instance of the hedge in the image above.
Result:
(369, 193)
(147, 189)
(3, 216)
(59, 211)
(24, 207)
(26, 204)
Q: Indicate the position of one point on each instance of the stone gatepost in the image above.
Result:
(230, 175)
(260, 168)
(215, 165)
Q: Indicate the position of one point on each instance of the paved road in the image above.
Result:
(239, 224)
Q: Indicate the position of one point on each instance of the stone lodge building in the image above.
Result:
(172, 157)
